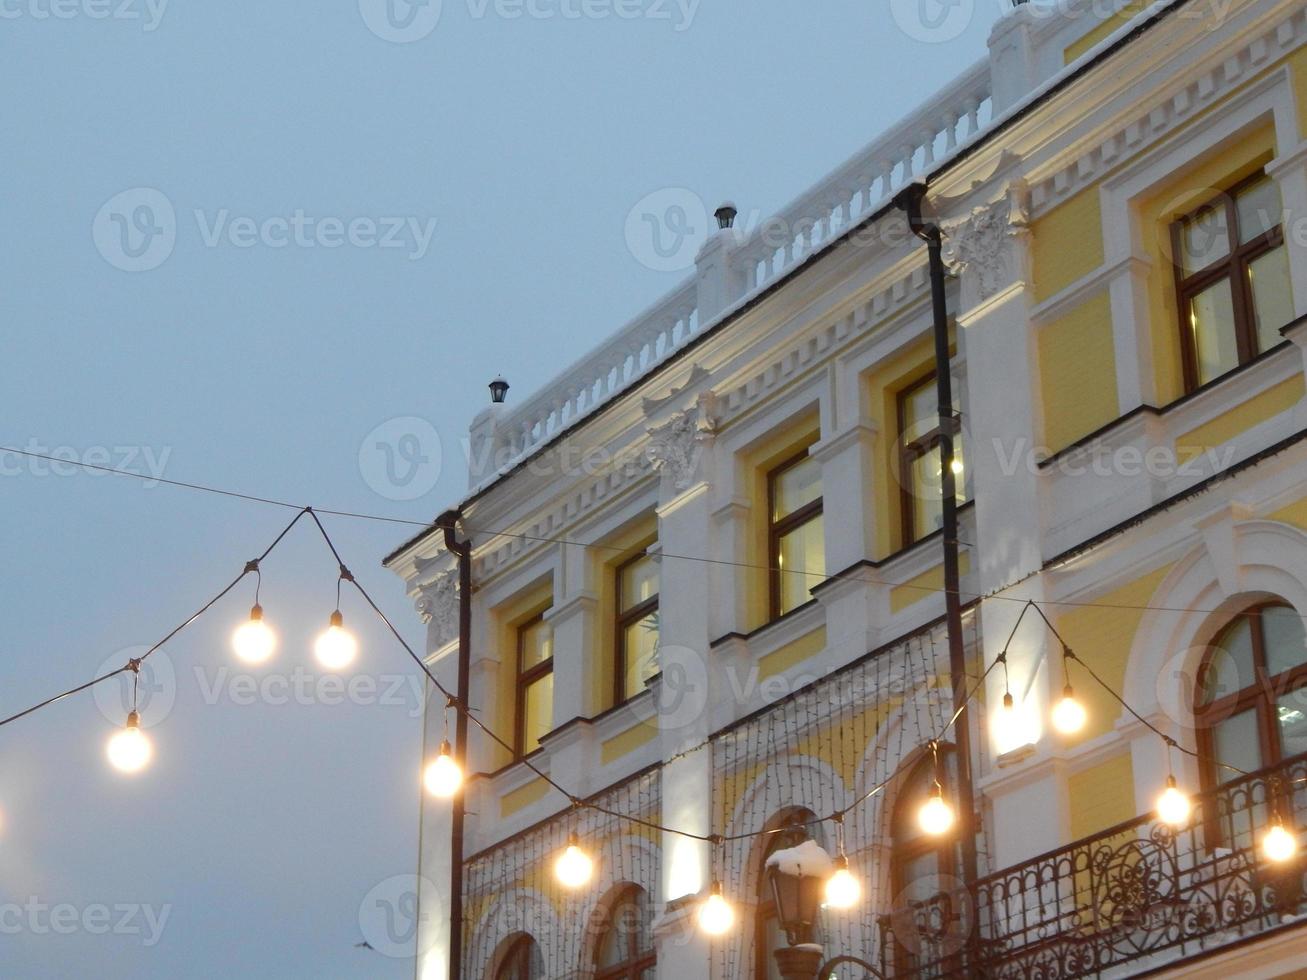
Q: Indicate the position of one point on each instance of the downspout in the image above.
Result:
(463, 552)
(909, 201)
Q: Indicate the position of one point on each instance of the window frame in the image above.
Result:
(523, 679)
(518, 959)
(1260, 695)
(624, 618)
(909, 453)
(637, 961)
(1234, 266)
(779, 528)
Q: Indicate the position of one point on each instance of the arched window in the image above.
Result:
(794, 826)
(625, 950)
(521, 960)
(1250, 709)
(920, 863)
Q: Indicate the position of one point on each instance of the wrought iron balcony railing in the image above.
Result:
(1132, 897)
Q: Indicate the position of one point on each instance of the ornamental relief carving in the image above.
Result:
(675, 446)
(437, 605)
(981, 245)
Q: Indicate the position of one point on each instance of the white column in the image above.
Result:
(1289, 170)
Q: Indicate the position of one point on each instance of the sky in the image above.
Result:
(281, 248)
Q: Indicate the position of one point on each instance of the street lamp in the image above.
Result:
(798, 900)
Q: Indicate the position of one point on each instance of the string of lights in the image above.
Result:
(130, 749)
(857, 576)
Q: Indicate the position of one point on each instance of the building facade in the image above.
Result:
(706, 559)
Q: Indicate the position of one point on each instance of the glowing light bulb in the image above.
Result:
(843, 891)
(573, 867)
(957, 467)
(336, 648)
(443, 777)
(129, 750)
(1069, 714)
(1173, 806)
(716, 917)
(1278, 844)
(935, 816)
(254, 641)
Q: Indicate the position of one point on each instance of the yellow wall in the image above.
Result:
(1222, 429)
(783, 443)
(1298, 72)
(628, 741)
(1101, 635)
(1110, 24)
(928, 585)
(1077, 373)
(1067, 243)
(505, 619)
(614, 550)
(1101, 797)
(779, 661)
(1295, 514)
(523, 797)
(883, 385)
(1225, 166)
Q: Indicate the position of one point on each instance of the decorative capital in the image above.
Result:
(437, 605)
(676, 445)
(981, 243)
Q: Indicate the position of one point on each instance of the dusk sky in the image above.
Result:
(281, 248)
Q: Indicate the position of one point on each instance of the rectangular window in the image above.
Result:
(798, 545)
(920, 471)
(637, 625)
(535, 684)
(1232, 279)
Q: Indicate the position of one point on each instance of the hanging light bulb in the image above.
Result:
(843, 890)
(1173, 806)
(935, 816)
(1278, 844)
(129, 750)
(716, 917)
(573, 867)
(336, 647)
(253, 640)
(1069, 714)
(443, 777)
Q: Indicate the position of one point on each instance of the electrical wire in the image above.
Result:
(823, 577)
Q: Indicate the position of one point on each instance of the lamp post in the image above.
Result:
(798, 901)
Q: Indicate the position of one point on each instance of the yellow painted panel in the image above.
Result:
(1077, 373)
(1234, 423)
(627, 742)
(1101, 797)
(795, 652)
(928, 584)
(1295, 514)
(523, 797)
(1110, 24)
(1067, 243)
(1298, 72)
(1101, 636)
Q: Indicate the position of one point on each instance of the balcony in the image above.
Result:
(1134, 898)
